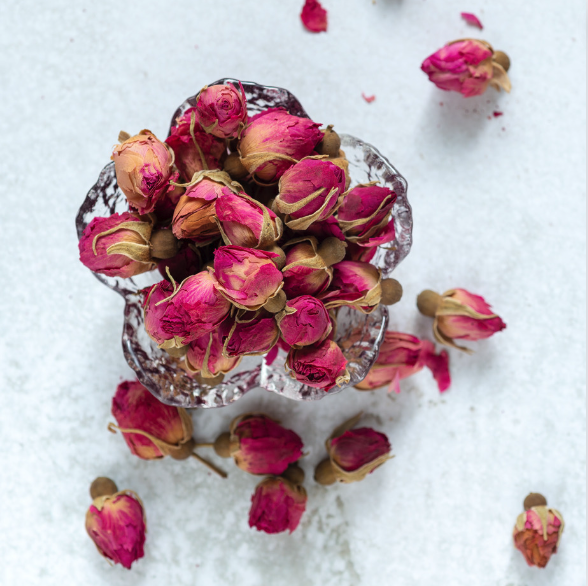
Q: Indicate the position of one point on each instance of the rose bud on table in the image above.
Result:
(116, 522)
(402, 355)
(222, 110)
(353, 453)
(184, 264)
(251, 333)
(538, 530)
(468, 66)
(117, 246)
(143, 166)
(274, 140)
(304, 321)
(459, 315)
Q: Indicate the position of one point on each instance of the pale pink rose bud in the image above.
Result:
(117, 246)
(459, 315)
(194, 153)
(277, 505)
(402, 355)
(185, 263)
(537, 531)
(274, 140)
(222, 110)
(467, 66)
(251, 333)
(143, 169)
(304, 321)
(309, 192)
(248, 278)
(321, 366)
(205, 355)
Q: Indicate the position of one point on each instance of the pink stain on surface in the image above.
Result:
(472, 19)
(368, 99)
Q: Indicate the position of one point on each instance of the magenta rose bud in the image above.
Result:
(304, 321)
(359, 447)
(252, 333)
(222, 110)
(274, 140)
(321, 366)
(184, 264)
(205, 355)
(117, 246)
(277, 505)
(143, 169)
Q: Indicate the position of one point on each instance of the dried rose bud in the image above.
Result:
(116, 524)
(401, 356)
(248, 278)
(459, 315)
(195, 149)
(252, 333)
(243, 221)
(468, 66)
(309, 192)
(274, 140)
(143, 169)
(117, 246)
(321, 366)
(277, 505)
(304, 321)
(185, 263)
(166, 204)
(222, 110)
(205, 355)
(326, 229)
(537, 531)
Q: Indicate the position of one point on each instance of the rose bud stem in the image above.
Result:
(222, 445)
(502, 59)
(277, 303)
(332, 250)
(428, 302)
(102, 486)
(294, 474)
(324, 473)
(234, 167)
(163, 244)
(391, 292)
(209, 465)
(534, 499)
(330, 144)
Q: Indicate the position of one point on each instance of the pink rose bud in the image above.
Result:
(243, 221)
(205, 355)
(143, 169)
(459, 315)
(325, 229)
(277, 505)
(222, 110)
(321, 366)
(360, 253)
(309, 192)
(537, 531)
(260, 445)
(252, 333)
(468, 66)
(116, 523)
(274, 140)
(185, 263)
(304, 321)
(195, 149)
(117, 246)
(401, 356)
(248, 278)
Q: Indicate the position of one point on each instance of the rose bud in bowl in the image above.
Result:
(222, 110)
(185, 263)
(304, 321)
(251, 333)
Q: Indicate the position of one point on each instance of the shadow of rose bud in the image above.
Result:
(304, 321)
(117, 246)
(252, 333)
(222, 110)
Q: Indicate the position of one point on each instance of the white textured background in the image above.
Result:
(499, 208)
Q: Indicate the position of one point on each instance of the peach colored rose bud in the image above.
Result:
(459, 315)
(277, 505)
(274, 140)
(401, 356)
(205, 355)
(116, 524)
(143, 169)
(309, 192)
(304, 321)
(222, 110)
(251, 333)
(467, 66)
(185, 263)
(117, 246)
(321, 366)
(537, 531)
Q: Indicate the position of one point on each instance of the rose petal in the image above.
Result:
(472, 19)
(314, 17)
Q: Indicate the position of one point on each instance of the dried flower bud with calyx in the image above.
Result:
(538, 531)
(330, 145)
(252, 333)
(234, 167)
(185, 263)
(304, 321)
(205, 355)
(163, 244)
(222, 110)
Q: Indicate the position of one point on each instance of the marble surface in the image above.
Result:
(499, 206)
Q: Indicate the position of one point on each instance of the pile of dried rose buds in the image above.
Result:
(257, 232)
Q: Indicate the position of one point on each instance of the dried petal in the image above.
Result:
(472, 19)
(314, 17)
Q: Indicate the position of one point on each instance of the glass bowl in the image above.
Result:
(359, 335)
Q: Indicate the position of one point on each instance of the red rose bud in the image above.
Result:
(537, 531)
(277, 505)
(468, 66)
(459, 315)
(117, 246)
(260, 445)
(304, 321)
(143, 169)
(401, 356)
(252, 333)
(222, 110)
(321, 366)
(274, 140)
(195, 149)
(185, 263)
(205, 356)
(309, 192)
(116, 523)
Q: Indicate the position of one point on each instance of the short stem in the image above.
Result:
(428, 302)
(534, 499)
(209, 465)
(391, 292)
(502, 59)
